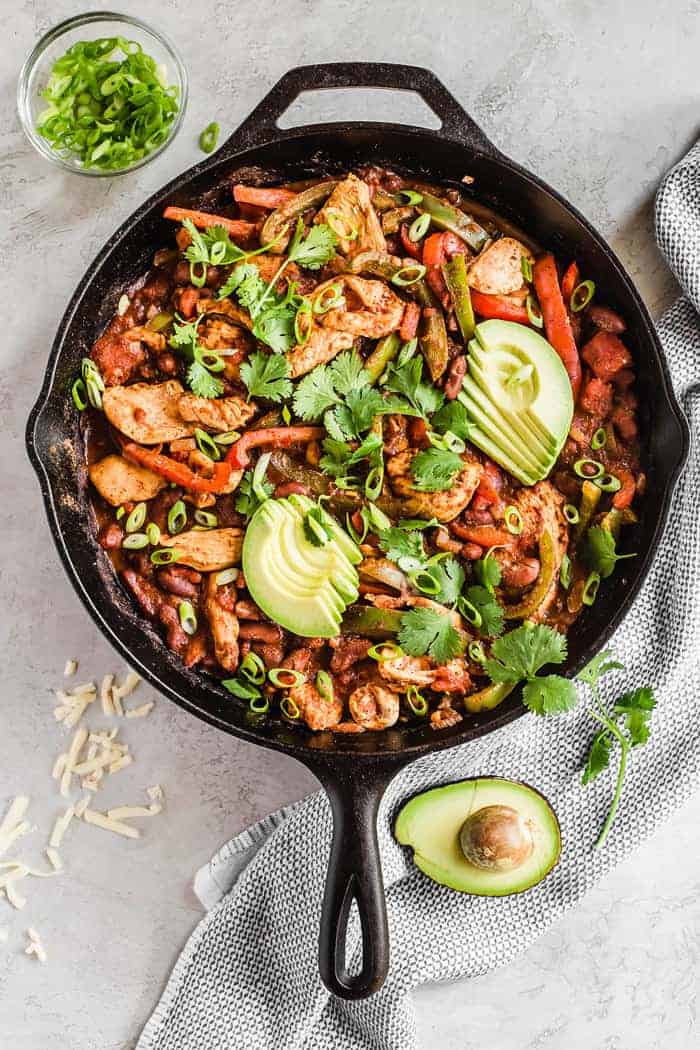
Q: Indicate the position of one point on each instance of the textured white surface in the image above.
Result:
(597, 104)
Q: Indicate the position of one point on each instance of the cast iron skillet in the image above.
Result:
(354, 770)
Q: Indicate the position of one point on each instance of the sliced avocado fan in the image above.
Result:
(518, 398)
(299, 581)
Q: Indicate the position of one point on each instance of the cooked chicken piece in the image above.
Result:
(201, 464)
(498, 270)
(371, 308)
(381, 570)
(225, 308)
(395, 434)
(153, 340)
(118, 358)
(441, 505)
(374, 707)
(317, 712)
(445, 715)
(147, 412)
(119, 481)
(208, 550)
(322, 346)
(402, 671)
(349, 208)
(220, 415)
(224, 627)
(541, 507)
(216, 333)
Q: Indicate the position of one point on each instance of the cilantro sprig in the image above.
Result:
(426, 631)
(203, 363)
(266, 376)
(627, 725)
(434, 469)
(600, 551)
(406, 378)
(518, 655)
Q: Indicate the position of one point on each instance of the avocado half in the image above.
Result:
(485, 836)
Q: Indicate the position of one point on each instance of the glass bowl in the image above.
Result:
(37, 69)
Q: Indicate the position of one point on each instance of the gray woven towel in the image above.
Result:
(248, 976)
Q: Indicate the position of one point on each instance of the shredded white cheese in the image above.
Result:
(14, 825)
(76, 746)
(54, 858)
(59, 828)
(140, 712)
(106, 695)
(102, 820)
(70, 668)
(130, 683)
(35, 947)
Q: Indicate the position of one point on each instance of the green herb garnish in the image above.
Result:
(427, 631)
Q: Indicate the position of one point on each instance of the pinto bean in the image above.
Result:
(455, 375)
(167, 363)
(443, 542)
(175, 637)
(520, 574)
(269, 633)
(180, 580)
(110, 536)
(271, 655)
(472, 551)
(418, 433)
(148, 598)
(605, 318)
(287, 488)
(181, 273)
(196, 650)
(246, 609)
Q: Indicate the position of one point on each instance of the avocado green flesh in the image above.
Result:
(484, 442)
(482, 369)
(512, 449)
(520, 423)
(431, 822)
(303, 587)
(345, 542)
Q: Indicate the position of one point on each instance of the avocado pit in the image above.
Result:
(496, 838)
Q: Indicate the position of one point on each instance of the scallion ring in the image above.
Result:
(590, 588)
(258, 482)
(470, 612)
(79, 394)
(424, 582)
(324, 686)
(187, 617)
(581, 296)
(385, 651)
(599, 439)
(341, 225)
(416, 702)
(243, 690)
(374, 483)
(253, 668)
(206, 518)
(589, 469)
(409, 275)
(198, 274)
(565, 572)
(330, 298)
(153, 533)
(608, 483)
(526, 268)
(513, 520)
(410, 197)
(90, 372)
(136, 541)
(418, 228)
(476, 653)
(290, 709)
(136, 518)
(534, 314)
(571, 514)
(303, 322)
(259, 705)
(358, 537)
(226, 576)
(377, 518)
(209, 137)
(285, 677)
(227, 438)
(347, 481)
(206, 444)
(286, 415)
(177, 517)
(165, 556)
(119, 513)
(209, 359)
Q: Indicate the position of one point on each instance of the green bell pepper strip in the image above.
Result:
(590, 498)
(488, 698)
(371, 622)
(384, 352)
(455, 274)
(378, 264)
(448, 218)
(281, 219)
(392, 219)
(432, 334)
(532, 601)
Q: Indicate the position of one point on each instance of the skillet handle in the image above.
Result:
(354, 873)
(262, 124)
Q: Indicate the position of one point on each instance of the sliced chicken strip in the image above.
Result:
(372, 706)
(208, 550)
(224, 627)
(380, 310)
(219, 414)
(444, 505)
(147, 412)
(322, 346)
(316, 711)
(119, 481)
(498, 270)
(349, 210)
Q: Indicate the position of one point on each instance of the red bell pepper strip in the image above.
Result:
(498, 307)
(262, 196)
(409, 322)
(569, 282)
(203, 219)
(175, 471)
(556, 318)
(412, 247)
(238, 456)
(624, 496)
(433, 258)
(484, 535)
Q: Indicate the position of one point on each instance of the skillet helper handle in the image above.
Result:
(262, 124)
(354, 874)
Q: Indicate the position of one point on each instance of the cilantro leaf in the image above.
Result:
(598, 757)
(488, 608)
(600, 553)
(435, 469)
(246, 282)
(406, 379)
(348, 372)
(600, 665)
(247, 500)
(522, 652)
(265, 375)
(488, 572)
(314, 250)
(202, 383)
(339, 455)
(637, 707)
(275, 326)
(449, 576)
(549, 695)
(404, 548)
(426, 631)
(184, 336)
(453, 417)
(213, 245)
(315, 394)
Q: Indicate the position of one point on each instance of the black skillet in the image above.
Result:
(354, 770)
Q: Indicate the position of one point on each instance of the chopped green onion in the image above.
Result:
(243, 690)
(470, 612)
(385, 651)
(590, 588)
(290, 709)
(581, 296)
(258, 482)
(79, 394)
(209, 358)
(513, 520)
(253, 668)
(136, 541)
(358, 537)
(418, 228)
(90, 371)
(227, 438)
(165, 556)
(534, 314)
(447, 441)
(319, 533)
(153, 533)
(589, 469)
(571, 514)
(341, 225)
(188, 617)
(209, 137)
(94, 394)
(374, 482)
(285, 677)
(599, 439)
(476, 652)
(177, 517)
(119, 513)
(286, 415)
(206, 444)
(324, 686)
(159, 322)
(411, 196)
(331, 298)
(565, 572)
(608, 483)
(304, 313)
(409, 275)
(136, 518)
(259, 705)
(206, 518)
(226, 576)
(377, 518)
(520, 375)
(416, 701)
(526, 268)
(425, 582)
